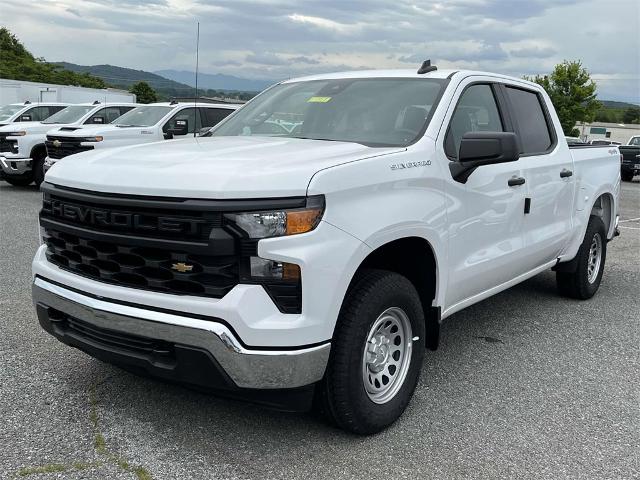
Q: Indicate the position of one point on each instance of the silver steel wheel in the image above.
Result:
(387, 355)
(595, 258)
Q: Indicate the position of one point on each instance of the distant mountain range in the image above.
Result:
(614, 104)
(168, 83)
(217, 81)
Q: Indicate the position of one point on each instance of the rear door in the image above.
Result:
(548, 172)
(485, 215)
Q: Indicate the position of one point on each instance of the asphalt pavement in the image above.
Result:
(525, 385)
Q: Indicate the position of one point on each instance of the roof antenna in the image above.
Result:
(195, 98)
(426, 67)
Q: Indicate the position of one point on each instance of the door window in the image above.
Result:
(212, 116)
(188, 114)
(531, 121)
(35, 114)
(476, 111)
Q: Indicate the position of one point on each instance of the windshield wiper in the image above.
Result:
(323, 139)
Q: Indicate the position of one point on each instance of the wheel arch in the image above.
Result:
(38, 148)
(415, 258)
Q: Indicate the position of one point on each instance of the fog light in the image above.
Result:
(270, 269)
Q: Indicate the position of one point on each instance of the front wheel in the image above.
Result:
(19, 180)
(376, 354)
(626, 176)
(584, 282)
(38, 168)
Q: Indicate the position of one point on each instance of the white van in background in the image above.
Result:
(22, 149)
(144, 124)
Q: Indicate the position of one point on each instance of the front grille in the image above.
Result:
(67, 146)
(142, 267)
(8, 145)
(180, 247)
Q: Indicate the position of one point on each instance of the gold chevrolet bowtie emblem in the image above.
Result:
(182, 267)
(57, 143)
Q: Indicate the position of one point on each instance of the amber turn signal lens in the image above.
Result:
(290, 271)
(302, 221)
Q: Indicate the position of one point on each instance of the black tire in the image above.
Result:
(18, 180)
(576, 284)
(344, 397)
(627, 176)
(38, 167)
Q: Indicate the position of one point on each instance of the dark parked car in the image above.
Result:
(630, 159)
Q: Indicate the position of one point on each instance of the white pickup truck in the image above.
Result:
(319, 260)
(22, 149)
(144, 124)
(28, 112)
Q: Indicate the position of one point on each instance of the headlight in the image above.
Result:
(21, 133)
(97, 138)
(279, 223)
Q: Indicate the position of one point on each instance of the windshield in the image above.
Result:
(7, 111)
(370, 111)
(143, 116)
(70, 114)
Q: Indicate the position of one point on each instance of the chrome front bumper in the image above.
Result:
(15, 166)
(252, 368)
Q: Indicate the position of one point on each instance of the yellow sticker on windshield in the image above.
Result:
(318, 99)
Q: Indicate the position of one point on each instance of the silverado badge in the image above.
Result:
(182, 267)
(57, 143)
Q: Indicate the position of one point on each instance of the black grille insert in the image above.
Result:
(175, 246)
(60, 147)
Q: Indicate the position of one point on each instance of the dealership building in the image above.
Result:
(615, 132)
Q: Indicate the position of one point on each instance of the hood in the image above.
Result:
(212, 167)
(19, 126)
(30, 127)
(106, 131)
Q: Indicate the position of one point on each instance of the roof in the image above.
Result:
(36, 104)
(228, 106)
(406, 73)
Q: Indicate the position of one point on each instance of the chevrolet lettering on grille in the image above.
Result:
(125, 220)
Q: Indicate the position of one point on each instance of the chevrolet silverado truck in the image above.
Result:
(144, 124)
(630, 154)
(28, 112)
(22, 147)
(317, 263)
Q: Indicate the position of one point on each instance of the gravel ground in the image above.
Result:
(524, 385)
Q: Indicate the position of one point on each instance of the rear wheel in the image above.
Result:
(584, 282)
(627, 176)
(376, 355)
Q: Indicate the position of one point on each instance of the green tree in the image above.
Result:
(17, 63)
(144, 93)
(631, 115)
(572, 92)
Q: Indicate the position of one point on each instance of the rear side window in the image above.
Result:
(476, 111)
(212, 116)
(531, 121)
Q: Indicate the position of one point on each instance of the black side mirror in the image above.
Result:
(25, 118)
(483, 148)
(181, 127)
(98, 120)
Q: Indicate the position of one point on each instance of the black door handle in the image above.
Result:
(515, 181)
(565, 173)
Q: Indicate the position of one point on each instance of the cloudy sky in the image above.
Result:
(284, 38)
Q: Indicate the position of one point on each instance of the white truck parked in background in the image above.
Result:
(22, 148)
(322, 259)
(28, 112)
(144, 124)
